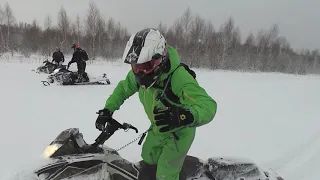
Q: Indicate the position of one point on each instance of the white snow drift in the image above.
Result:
(272, 119)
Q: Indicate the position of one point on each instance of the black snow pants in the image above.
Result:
(82, 71)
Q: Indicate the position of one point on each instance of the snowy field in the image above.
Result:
(272, 119)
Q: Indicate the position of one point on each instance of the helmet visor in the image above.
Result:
(146, 67)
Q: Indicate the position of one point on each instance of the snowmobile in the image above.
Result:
(70, 157)
(63, 76)
(48, 67)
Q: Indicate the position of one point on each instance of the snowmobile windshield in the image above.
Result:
(62, 144)
(65, 135)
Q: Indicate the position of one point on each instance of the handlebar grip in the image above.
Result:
(134, 128)
(126, 126)
(129, 126)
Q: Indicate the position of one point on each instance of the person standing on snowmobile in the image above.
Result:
(58, 57)
(155, 69)
(80, 57)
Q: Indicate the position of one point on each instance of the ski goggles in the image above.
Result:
(147, 67)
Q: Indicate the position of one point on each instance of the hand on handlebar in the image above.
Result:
(115, 125)
(105, 115)
(112, 126)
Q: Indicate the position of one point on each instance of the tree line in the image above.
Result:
(199, 43)
(97, 35)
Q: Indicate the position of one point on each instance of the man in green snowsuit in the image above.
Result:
(173, 125)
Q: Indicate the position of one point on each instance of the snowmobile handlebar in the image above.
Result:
(111, 127)
(129, 126)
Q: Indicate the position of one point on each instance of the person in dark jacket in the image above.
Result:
(80, 56)
(58, 57)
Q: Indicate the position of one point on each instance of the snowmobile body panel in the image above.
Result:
(65, 77)
(48, 67)
(70, 160)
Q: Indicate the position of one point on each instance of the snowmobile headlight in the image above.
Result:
(56, 71)
(50, 150)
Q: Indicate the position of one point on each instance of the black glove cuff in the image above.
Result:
(105, 112)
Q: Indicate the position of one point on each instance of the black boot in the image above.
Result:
(85, 77)
(147, 171)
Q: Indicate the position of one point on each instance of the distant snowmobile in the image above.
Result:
(48, 67)
(71, 157)
(63, 76)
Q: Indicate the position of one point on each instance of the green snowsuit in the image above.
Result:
(162, 148)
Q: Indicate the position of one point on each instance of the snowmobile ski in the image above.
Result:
(89, 83)
(46, 83)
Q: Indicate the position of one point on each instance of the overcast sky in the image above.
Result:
(298, 20)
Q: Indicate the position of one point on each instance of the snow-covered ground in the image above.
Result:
(272, 119)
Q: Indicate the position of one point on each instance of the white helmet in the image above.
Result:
(146, 51)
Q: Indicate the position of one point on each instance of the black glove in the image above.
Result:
(104, 116)
(172, 117)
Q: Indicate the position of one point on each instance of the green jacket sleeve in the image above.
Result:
(123, 91)
(193, 97)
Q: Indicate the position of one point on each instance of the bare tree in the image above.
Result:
(314, 61)
(273, 42)
(10, 20)
(110, 37)
(162, 28)
(249, 50)
(100, 31)
(2, 17)
(93, 19)
(235, 61)
(33, 35)
(185, 22)
(111, 29)
(73, 29)
(64, 25)
(78, 28)
(47, 36)
(196, 34)
(210, 41)
(47, 22)
(226, 38)
(178, 33)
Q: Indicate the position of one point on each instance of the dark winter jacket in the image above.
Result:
(58, 56)
(78, 56)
